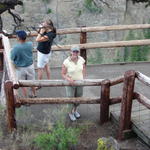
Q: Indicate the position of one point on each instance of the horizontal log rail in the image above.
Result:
(95, 29)
(116, 81)
(59, 100)
(110, 44)
(142, 99)
(64, 100)
(54, 83)
(115, 100)
(143, 78)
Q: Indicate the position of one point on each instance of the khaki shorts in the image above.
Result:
(74, 91)
(25, 73)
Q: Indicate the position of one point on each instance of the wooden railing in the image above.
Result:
(11, 85)
(109, 44)
(104, 100)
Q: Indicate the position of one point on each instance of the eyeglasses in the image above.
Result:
(75, 51)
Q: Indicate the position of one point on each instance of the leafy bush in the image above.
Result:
(49, 11)
(97, 58)
(90, 5)
(60, 138)
(135, 53)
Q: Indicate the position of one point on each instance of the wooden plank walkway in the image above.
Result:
(140, 119)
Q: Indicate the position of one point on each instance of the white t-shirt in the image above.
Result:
(74, 70)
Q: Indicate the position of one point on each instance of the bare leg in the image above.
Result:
(74, 108)
(40, 76)
(47, 69)
(33, 91)
(24, 91)
(40, 73)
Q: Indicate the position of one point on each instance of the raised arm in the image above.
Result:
(41, 37)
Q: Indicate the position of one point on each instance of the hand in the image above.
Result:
(42, 30)
(70, 80)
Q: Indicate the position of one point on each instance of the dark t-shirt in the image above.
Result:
(45, 47)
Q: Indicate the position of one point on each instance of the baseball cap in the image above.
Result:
(75, 48)
(21, 34)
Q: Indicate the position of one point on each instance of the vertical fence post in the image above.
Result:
(126, 103)
(104, 104)
(10, 102)
(83, 39)
(1, 55)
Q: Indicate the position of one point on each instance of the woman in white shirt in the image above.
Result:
(73, 69)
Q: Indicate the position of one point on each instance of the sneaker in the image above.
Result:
(77, 115)
(72, 117)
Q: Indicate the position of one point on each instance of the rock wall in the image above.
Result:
(73, 13)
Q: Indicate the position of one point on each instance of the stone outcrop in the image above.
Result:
(74, 13)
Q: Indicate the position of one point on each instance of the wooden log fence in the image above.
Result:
(9, 65)
(142, 99)
(126, 103)
(1, 55)
(54, 83)
(105, 101)
(110, 44)
(95, 29)
(11, 122)
(143, 78)
(85, 82)
(83, 39)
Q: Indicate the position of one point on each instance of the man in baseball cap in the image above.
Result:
(21, 34)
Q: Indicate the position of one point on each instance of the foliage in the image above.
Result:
(135, 53)
(97, 58)
(79, 13)
(47, 1)
(91, 6)
(60, 138)
(49, 11)
(102, 145)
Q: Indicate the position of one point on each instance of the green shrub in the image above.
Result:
(49, 11)
(97, 58)
(135, 53)
(89, 5)
(60, 138)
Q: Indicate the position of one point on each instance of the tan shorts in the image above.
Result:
(25, 73)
